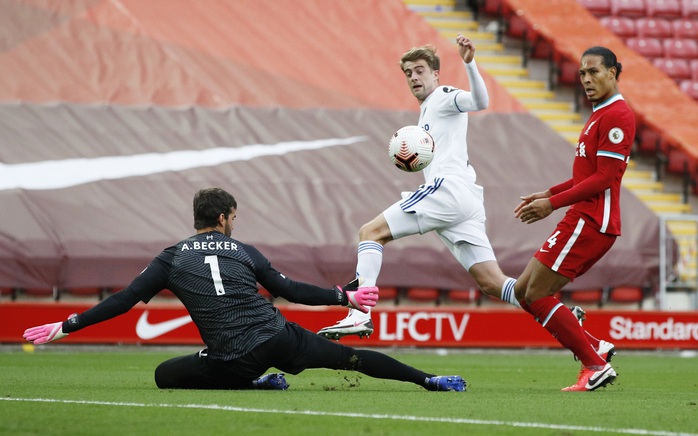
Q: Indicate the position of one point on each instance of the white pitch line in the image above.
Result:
(634, 431)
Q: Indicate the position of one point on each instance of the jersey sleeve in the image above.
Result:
(606, 171)
(281, 286)
(154, 278)
(616, 134)
(478, 98)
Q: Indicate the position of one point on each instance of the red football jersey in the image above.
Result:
(602, 154)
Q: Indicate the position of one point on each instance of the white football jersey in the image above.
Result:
(444, 114)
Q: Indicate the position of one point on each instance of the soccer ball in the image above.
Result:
(411, 149)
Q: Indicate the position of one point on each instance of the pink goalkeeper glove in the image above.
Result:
(357, 298)
(362, 298)
(45, 333)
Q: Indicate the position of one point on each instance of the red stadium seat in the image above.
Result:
(599, 8)
(694, 69)
(493, 7)
(465, 296)
(654, 28)
(91, 291)
(679, 162)
(651, 141)
(664, 8)
(389, 294)
(517, 27)
(628, 8)
(690, 88)
(39, 293)
(424, 295)
(623, 27)
(582, 297)
(685, 28)
(677, 69)
(689, 9)
(627, 295)
(648, 47)
(681, 48)
(9, 292)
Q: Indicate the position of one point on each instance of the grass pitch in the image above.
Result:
(55, 390)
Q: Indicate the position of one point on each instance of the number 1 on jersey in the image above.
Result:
(212, 261)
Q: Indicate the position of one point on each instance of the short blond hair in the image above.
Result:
(426, 52)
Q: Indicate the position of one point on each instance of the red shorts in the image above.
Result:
(574, 247)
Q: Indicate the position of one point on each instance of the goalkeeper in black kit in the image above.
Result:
(216, 277)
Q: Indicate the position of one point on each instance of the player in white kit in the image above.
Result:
(450, 202)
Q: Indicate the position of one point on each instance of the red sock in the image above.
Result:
(563, 325)
(525, 306)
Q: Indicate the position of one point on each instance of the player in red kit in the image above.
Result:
(592, 222)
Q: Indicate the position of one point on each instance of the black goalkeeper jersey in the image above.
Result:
(216, 279)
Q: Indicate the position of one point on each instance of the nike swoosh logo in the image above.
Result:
(544, 251)
(594, 381)
(59, 174)
(146, 330)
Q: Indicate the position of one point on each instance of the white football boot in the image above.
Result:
(356, 323)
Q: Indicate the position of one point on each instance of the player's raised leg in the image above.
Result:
(369, 261)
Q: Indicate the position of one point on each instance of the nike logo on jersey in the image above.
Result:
(543, 250)
(147, 330)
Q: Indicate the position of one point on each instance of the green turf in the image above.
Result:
(508, 393)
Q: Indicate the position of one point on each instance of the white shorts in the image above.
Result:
(454, 209)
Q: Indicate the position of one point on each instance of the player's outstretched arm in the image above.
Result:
(46, 333)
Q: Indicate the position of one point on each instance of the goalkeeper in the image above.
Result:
(216, 277)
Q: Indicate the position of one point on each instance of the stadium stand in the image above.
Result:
(689, 9)
(464, 296)
(423, 295)
(97, 292)
(677, 69)
(690, 87)
(685, 28)
(648, 47)
(653, 28)
(39, 293)
(226, 101)
(585, 297)
(627, 295)
(624, 27)
(628, 8)
(8, 292)
(681, 48)
(600, 8)
(389, 294)
(664, 8)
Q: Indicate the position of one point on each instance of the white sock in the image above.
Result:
(369, 261)
(368, 264)
(508, 293)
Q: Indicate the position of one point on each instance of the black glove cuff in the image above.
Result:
(342, 298)
(72, 324)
